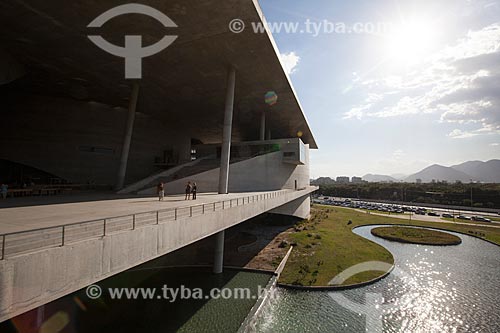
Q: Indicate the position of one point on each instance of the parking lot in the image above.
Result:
(411, 212)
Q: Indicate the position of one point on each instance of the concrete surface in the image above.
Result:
(33, 217)
(300, 207)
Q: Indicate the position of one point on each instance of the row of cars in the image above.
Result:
(396, 209)
(422, 211)
(469, 218)
(363, 205)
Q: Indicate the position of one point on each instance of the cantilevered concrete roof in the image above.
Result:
(183, 84)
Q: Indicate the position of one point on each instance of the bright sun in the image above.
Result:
(410, 42)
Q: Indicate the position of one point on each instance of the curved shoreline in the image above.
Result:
(366, 283)
(333, 288)
(436, 228)
(343, 287)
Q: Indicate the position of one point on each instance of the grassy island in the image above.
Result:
(416, 236)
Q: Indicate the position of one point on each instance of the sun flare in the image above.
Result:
(410, 42)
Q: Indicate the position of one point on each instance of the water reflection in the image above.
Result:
(445, 289)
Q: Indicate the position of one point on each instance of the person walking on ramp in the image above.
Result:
(161, 191)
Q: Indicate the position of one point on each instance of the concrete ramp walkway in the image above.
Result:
(68, 253)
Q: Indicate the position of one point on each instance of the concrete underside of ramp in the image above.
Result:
(30, 280)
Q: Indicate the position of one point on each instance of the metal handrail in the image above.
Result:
(63, 228)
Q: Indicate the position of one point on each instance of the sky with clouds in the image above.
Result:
(424, 89)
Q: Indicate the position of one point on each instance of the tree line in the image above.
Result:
(483, 195)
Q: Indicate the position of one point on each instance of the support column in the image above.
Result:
(226, 134)
(219, 252)
(224, 163)
(262, 126)
(128, 136)
(40, 316)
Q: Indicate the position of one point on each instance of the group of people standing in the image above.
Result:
(191, 189)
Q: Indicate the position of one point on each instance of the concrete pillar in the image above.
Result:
(224, 163)
(262, 136)
(128, 136)
(226, 134)
(40, 316)
(219, 252)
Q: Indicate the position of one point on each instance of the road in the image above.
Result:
(426, 218)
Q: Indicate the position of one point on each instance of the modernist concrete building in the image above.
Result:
(198, 113)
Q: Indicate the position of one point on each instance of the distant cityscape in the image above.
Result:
(467, 172)
(361, 180)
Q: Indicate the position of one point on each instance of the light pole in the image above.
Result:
(471, 192)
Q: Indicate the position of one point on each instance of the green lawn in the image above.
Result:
(326, 245)
(416, 236)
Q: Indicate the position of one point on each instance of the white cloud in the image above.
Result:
(357, 112)
(459, 134)
(290, 61)
(398, 154)
(460, 84)
(465, 112)
(495, 144)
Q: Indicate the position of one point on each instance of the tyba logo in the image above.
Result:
(133, 52)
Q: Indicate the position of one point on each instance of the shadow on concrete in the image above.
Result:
(87, 196)
(242, 243)
(64, 199)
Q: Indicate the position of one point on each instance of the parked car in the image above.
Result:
(433, 214)
(480, 219)
(463, 217)
(447, 215)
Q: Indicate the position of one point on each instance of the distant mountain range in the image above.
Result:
(399, 176)
(486, 172)
(438, 172)
(478, 171)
